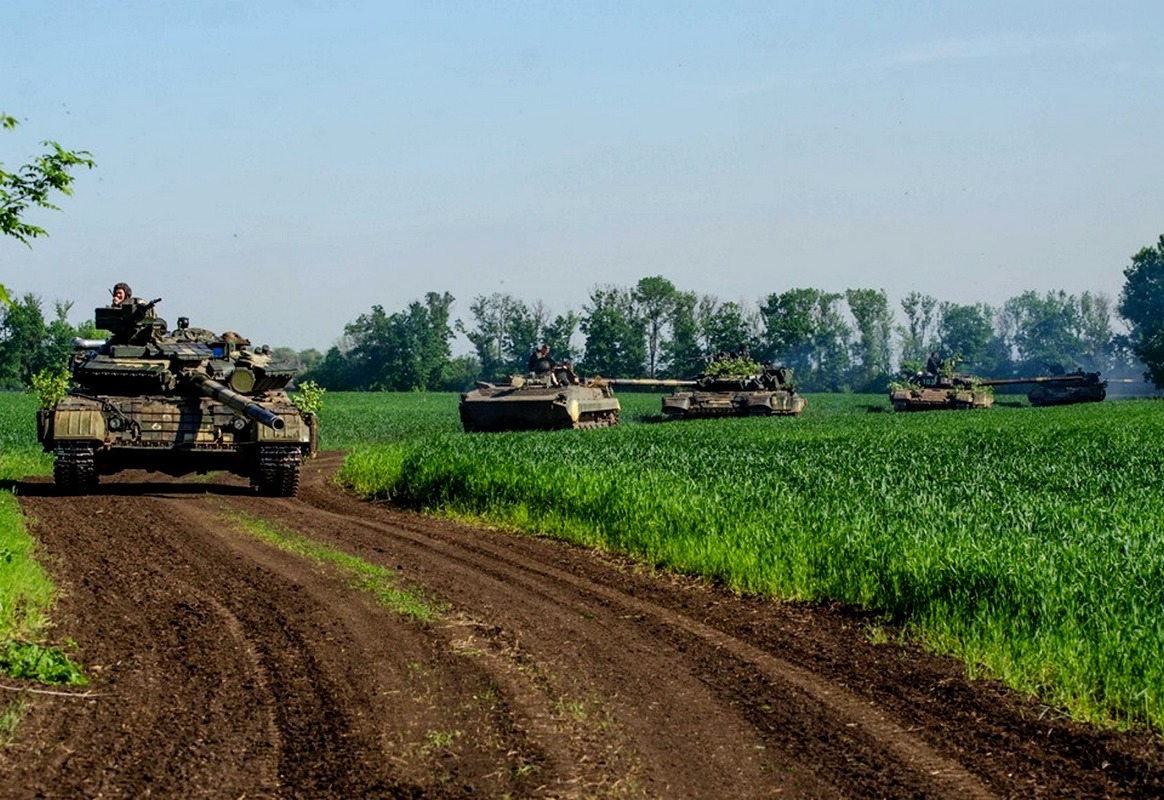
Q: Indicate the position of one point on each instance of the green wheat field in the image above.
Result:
(1028, 542)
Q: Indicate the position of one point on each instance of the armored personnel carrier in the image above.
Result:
(539, 401)
(1058, 390)
(927, 392)
(732, 388)
(174, 402)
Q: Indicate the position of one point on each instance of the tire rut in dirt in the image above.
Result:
(215, 675)
(1010, 744)
(674, 681)
(561, 672)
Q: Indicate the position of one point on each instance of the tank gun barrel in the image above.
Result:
(648, 382)
(240, 403)
(1076, 378)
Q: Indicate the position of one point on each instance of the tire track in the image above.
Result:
(888, 739)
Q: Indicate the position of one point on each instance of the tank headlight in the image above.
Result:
(115, 423)
(238, 423)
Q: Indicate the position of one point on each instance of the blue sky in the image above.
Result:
(279, 167)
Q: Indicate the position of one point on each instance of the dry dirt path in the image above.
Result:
(224, 667)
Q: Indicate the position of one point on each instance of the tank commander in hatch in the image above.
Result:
(121, 294)
(934, 365)
(541, 365)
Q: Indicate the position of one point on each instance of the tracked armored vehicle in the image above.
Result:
(1058, 390)
(928, 392)
(547, 401)
(752, 391)
(180, 402)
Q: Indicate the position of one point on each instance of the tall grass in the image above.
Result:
(1028, 542)
(25, 590)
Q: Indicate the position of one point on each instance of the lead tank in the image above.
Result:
(176, 402)
(735, 387)
(550, 400)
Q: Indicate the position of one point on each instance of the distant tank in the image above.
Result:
(174, 402)
(1058, 390)
(925, 391)
(735, 387)
(550, 400)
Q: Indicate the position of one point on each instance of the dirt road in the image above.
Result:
(224, 667)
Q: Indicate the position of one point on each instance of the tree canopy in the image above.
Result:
(31, 186)
(1142, 305)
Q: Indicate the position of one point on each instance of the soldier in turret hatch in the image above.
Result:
(121, 294)
(541, 365)
(934, 365)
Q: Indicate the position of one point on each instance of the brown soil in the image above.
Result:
(223, 667)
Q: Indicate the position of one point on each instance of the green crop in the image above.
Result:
(1027, 541)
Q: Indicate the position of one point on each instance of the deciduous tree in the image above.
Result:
(871, 351)
(29, 343)
(725, 326)
(498, 324)
(405, 351)
(655, 297)
(1142, 306)
(1046, 331)
(804, 329)
(615, 334)
(917, 336)
(32, 186)
(965, 332)
(681, 355)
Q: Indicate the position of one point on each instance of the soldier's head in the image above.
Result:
(121, 293)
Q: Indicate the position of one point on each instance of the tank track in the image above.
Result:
(75, 470)
(278, 471)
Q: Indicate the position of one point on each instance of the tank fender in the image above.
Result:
(75, 424)
(295, 430)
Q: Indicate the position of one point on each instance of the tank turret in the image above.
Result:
(181, 401)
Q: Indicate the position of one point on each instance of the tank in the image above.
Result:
(739, 389)
(548, 401)
(925, 391)
(1058, 390)
(176, 402)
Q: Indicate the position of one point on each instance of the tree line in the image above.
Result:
(835, 341)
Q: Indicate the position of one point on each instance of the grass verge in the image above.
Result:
(26, 592)
(363, 576)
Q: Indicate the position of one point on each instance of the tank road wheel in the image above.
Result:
(74, 470)
(278, 471)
